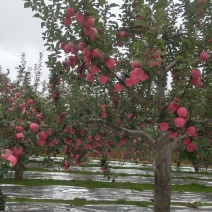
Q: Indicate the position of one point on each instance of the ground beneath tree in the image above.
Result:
(71, 192)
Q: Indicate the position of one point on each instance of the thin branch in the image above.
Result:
(203, 121)
(171, 66)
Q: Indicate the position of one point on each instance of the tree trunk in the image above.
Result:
(162, 196)
(18, 173)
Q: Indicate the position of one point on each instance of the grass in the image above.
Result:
(81, 183)
(194, 187)
(82, 201)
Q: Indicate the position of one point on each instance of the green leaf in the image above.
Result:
(113, 5)
(42, 24)
(37, 15)
(27, 4)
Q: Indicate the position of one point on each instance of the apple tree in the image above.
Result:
(149, 65)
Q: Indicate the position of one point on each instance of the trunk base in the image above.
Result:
(19, 174)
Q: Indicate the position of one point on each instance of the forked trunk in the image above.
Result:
(18, 173)
(162, 196)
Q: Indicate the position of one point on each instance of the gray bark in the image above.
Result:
(162, 195)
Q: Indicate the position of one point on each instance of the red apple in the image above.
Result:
(164, 126)
(182, 112)
(103, 79)
(117, 87)
(191, 131)
(195, 73)
(94, 69)
(89, 21)
(34, 127)
(79, 17)
(69, 12)
(110, 63)
(67, 21)
(204, 56)
(179, 122)
(13, 160)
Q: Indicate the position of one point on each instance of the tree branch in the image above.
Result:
(171, 66)
(133, 133)
(203, 121)
(177, 142)
(140, 133)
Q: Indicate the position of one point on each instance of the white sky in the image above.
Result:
(20, 32)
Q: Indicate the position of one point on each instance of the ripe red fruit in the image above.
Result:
(89, 21)
(72, 131)
(88, 31)
(110, 63)
(164, 126)
(69, 12)
(136, 64)
(172, 134)
(137, 73)
(78, 142)
(79, 17)
(42, 135)
(19, 128)
(39, 117)
(128, 82)
(195, 73)
(13, 160)
(86, 52)
(94, 69)
(191, 147)
(204, 56)
(90, 138)
(196, 81)
(103, 79)
(179, 122)
(97, 137)
(59, 119)
(87, 59)
(187, 141)
(67, 21)
(191, 131)
(104, 115)
(117, 87)
(123, 34)
(41, 142)
(30, 101)
(95, 53)
(81, 46)
(17, 150)
(182, 112)
(19, 136)
(90, 77)
(120, 44)
(34, 127)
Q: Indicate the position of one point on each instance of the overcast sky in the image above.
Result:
(20, 32)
